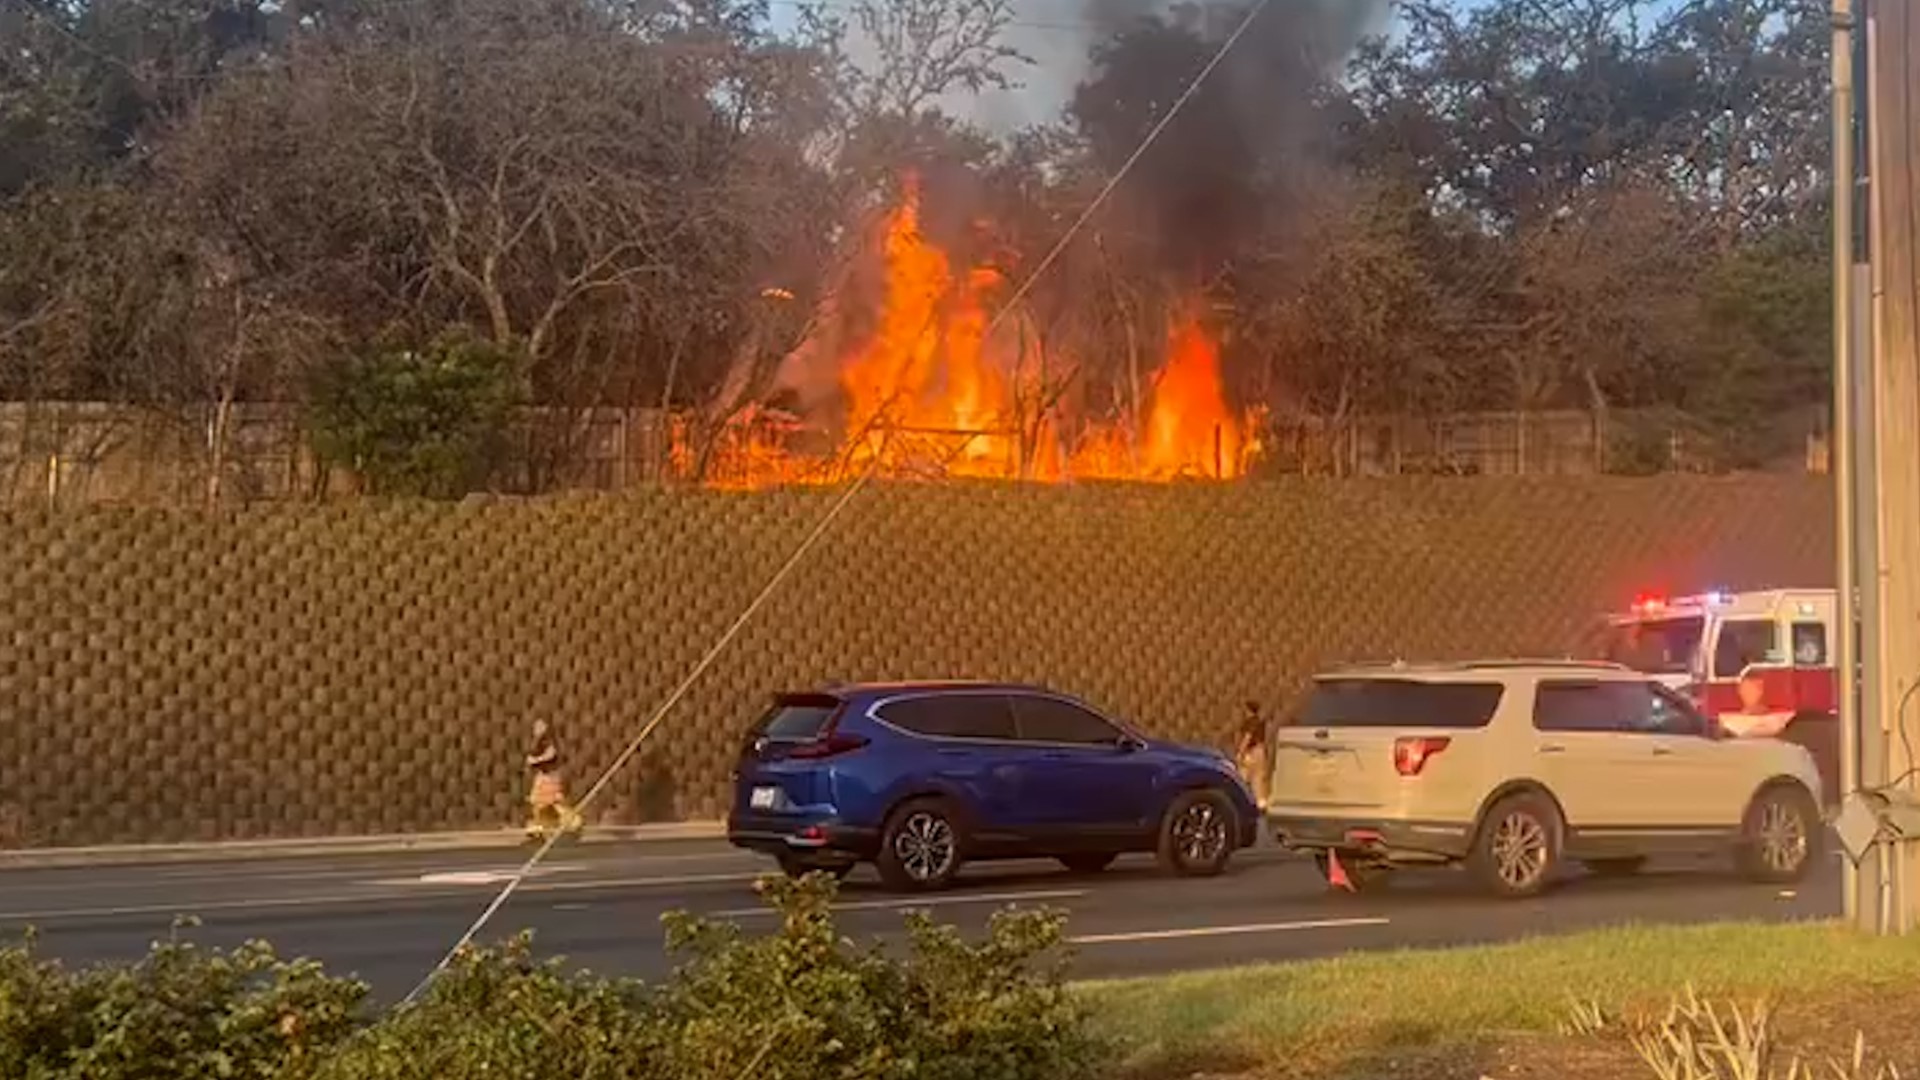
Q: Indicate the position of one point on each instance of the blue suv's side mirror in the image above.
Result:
(1131, 745)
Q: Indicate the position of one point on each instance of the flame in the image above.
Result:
(949, 383)
(1190, 430)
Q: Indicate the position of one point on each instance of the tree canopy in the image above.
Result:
(1405, 209)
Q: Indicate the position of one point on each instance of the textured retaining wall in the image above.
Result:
(355, 669)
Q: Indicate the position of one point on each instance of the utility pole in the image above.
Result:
(1893, 86)
(1869, 893)
(1840, 439)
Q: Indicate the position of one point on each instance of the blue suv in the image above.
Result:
(920, 778)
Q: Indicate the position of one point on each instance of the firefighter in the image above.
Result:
(547, 800)
(1755, 718)
(1251, 753)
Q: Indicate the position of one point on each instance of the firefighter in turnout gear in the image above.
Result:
(548, 798)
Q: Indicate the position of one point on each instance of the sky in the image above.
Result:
(1054, 33)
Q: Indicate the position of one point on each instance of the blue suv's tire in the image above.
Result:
(1197, 834)
(922, 846)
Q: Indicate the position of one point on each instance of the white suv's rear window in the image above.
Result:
(1400, 703)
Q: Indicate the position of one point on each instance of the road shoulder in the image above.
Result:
(334, 847)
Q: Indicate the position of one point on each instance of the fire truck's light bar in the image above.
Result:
(1651, 604)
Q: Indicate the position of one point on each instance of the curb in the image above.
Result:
(322, 847)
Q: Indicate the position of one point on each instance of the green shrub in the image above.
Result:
(498, 1012)
(808, 1003)
(802, 1003)
(418, 421)
(182, 1011)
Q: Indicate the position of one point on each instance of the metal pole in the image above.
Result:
(1876, 882)
(1840, 440)
(1875, 889)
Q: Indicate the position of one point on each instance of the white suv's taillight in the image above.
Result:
(1411, 755)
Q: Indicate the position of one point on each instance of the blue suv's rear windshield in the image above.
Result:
(797, 718)
(1361, 703)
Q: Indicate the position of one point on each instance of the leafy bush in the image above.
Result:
(498, 1012)
(808, 1003)
(181, 1012)
(803, 1003)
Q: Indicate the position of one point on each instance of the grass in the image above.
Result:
(1328, 1017)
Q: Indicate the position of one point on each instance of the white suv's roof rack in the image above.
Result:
(1549, 662)
(1561, 662)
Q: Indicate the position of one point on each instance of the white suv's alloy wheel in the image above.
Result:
(1521, 850)
(1782, 839)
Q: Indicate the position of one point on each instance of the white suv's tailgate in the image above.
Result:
(1343, 772)
(1383, 747)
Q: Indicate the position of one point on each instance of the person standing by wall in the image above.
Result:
(1251, 753)
(548, 798)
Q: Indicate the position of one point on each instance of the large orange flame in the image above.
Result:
(1190, 431)
(940, 387)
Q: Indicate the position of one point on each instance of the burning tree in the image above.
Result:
(920, 360)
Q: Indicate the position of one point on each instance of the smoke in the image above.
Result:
(1061, 40)
(1113, 67)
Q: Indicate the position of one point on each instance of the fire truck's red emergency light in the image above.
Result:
(1654, 603)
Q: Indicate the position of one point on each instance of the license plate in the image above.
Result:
(1322, 772)
(765, 798)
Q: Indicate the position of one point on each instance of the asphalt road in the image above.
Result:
(388, 919)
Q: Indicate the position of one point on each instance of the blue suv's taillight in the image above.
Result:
(826, 747)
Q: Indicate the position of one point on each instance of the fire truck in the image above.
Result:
(1761, 663)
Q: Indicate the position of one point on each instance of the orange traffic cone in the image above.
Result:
(1337, 874)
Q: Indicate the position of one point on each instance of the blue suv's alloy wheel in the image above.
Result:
(921, 847)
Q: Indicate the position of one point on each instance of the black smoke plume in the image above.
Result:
(1258, 128)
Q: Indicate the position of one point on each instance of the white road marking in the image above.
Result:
(1223, 931)
(462, 878)
(498, 876)
(456, 877)
(914, 904)
(644, 882)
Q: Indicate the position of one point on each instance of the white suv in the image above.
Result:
(1513, 767)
